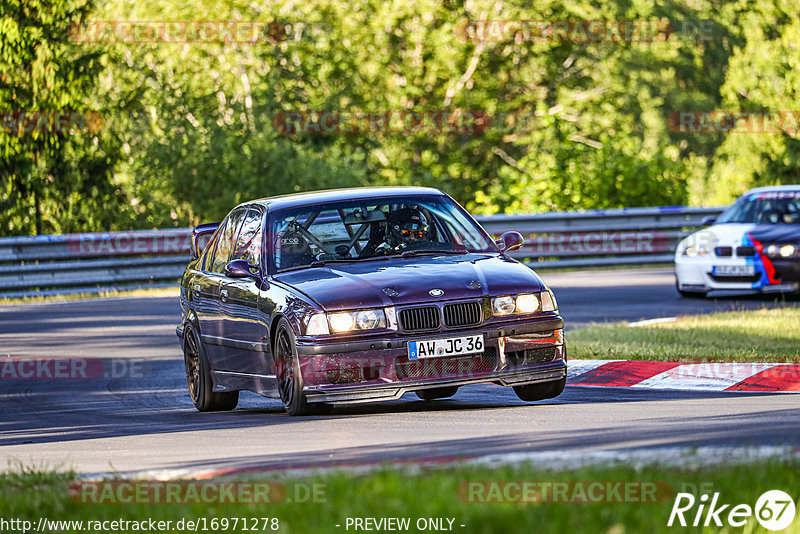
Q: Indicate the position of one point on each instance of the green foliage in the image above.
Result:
(52, 182)
(763, 76)
(189, 132)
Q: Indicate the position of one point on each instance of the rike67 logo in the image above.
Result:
(774, 510)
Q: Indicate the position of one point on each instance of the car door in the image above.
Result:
(244, 328)
(211, 312)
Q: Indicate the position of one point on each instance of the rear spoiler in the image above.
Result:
(199, 231)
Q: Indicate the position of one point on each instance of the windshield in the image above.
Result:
(374, 228)
(771, 207)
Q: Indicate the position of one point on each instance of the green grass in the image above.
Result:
(435, 493)
(767, 335)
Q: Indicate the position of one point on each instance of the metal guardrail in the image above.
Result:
(94, 262)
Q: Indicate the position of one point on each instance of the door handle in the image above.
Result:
(224, 295)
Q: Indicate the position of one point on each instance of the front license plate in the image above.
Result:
(436, 348)
(734, 270)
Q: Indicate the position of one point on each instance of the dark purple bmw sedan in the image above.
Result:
(359, 295)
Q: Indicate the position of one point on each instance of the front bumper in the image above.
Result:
(697, 274)
(380, 369)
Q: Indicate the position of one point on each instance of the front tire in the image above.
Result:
(198, 377)
(537, 392)
(287, 371)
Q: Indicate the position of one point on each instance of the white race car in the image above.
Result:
(754, 246)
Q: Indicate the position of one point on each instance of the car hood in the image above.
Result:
(399, 281)
(735, 234)
(776, 233)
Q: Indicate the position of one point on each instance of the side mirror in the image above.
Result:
(708, 221)
(239, 269)
(510, 241)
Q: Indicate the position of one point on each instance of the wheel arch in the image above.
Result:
(273, 329)
(190, 322)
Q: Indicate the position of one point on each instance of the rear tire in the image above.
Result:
(436, 393)
(537, 392)
(198, 377)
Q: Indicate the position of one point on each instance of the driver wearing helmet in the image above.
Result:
(407, 229)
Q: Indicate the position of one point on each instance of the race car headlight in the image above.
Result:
(786, 250)
(522, 303)
(527, 303)
(341, 322)
(694, 251)
(357, 320)
(503, 305)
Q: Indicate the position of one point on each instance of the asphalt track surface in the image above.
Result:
(137, 416)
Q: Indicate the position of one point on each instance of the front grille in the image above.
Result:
(737, 279)
(455, 367)
(745, 251)
(462, 314)
(425, 318)
(723, 251)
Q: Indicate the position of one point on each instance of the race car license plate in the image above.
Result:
(454, 346)
(734, 270)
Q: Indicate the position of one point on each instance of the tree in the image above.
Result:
(56, 162)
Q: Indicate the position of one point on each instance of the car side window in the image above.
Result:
(225, 243)
(208, 251)
(248, 242)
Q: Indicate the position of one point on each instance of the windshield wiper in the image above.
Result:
(410, 253)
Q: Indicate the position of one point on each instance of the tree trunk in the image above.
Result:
(37, 210)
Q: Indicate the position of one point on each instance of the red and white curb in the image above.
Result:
(762, 377)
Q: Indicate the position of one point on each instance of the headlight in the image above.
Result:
(527, 303)
(503, 305)
(523, 303)
(787, 250)
(695, 250)
(341, 322)
(357, 320)
(369, 319)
